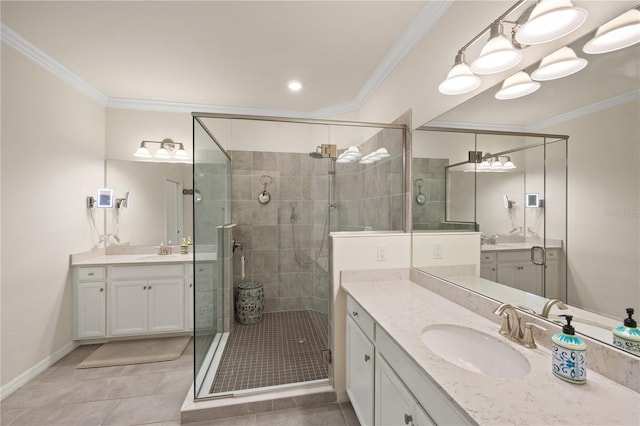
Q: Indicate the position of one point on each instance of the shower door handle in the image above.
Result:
(538, 255)
(367, 358)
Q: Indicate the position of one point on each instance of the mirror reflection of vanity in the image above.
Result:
(598, 109)
(157, 210)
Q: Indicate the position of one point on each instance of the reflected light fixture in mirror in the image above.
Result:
(497, 55)
(620, 32)
(560, 63)
(460, 79)
(550, 20)
(516, 86)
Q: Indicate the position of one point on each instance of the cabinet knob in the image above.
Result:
(366, 358)
(190, 285)
(408, 419)
(149, 287)
(90, 274)
(144, 288)
(354, 313)
(102, 289)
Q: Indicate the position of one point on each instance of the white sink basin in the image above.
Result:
(475, 351)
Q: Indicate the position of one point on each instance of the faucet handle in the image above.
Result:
(528, 340)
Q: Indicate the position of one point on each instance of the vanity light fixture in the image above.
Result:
(620, 32)
(546, 21)
(560, 63)
(169, 150)
(550, 20)
(497, 55)
(460, 79)
(517, 86)
(489, 162)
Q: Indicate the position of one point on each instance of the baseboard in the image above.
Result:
(23, 378)
(342, 396)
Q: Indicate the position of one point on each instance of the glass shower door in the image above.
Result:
(210, 272)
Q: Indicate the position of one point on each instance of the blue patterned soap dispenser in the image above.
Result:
(569, 354)
(627, 336)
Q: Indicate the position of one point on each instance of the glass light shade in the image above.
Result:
(382, 153)
(550, 20)
(162, 153)
(460, 80)
(560, 63)
(365, 161)
(181, 154)
(348, 156)
(496, 165)
(353, 150)
(516, 86)
(142, 152)
(496, 56)
(344, 160)
(621, 32)
(484, 165)
(508, 165)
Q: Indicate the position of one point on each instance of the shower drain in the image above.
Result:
(301, 341)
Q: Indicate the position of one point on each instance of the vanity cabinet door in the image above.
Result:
(128, 307)
(360, 372)
(523, 276)
(488, 272)
(395, 405)
(393, 401)
(90, 310)
(166, 305)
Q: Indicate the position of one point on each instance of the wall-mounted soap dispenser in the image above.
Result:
(569, 354)
(627, 336)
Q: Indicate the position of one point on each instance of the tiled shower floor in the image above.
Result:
(285, 347)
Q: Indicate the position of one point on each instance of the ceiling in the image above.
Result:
(238, 56)
(225, 53)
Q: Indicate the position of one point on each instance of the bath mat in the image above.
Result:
(126, 352)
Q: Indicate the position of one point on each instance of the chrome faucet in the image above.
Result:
(550, 303)
(511, 326)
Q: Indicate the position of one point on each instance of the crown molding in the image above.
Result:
(11, 38)
(424, 20)
(544, 124)
(586, 110)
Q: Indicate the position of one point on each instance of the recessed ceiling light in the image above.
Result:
(294, 85)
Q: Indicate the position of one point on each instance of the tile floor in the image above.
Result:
(285, 347)
(141, 394)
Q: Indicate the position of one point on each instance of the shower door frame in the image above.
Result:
(406, 139)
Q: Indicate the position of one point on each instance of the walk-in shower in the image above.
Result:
(285, 240)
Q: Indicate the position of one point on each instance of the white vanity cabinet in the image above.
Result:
(146, 299)
(395, 405)
(89, 302)
(360, 362)
(388, 388)
(514, 268)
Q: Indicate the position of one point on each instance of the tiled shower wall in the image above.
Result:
(431, 214)
(292, 279)
(370, 197)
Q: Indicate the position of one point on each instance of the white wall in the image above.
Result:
(52, 158)
(453, 249)
(358, 251)
(604, 209)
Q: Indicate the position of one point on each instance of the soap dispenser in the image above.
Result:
(627, 336)
(569, 354)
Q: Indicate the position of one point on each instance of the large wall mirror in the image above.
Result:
(156, 210)
(598, 232)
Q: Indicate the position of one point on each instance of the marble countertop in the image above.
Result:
(140, 259)
(403, 309)
(518, 246)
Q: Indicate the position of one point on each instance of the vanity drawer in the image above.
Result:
(361, 317)
(146, 272)
(92, 274)
(488, 257)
